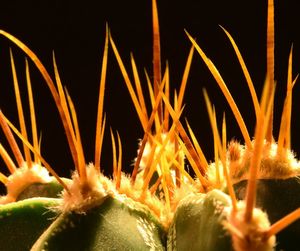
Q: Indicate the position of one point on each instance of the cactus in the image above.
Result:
(233, 203)
(197, 218)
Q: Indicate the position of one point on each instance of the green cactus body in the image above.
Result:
(160, 206)
(27, 183)
(197, 223)
(50, 189)
(112, 225)
(22, 222)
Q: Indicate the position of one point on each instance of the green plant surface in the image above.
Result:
(24, 221)
(161, 205)
(197, 223)
(49, 190)
(112, 225)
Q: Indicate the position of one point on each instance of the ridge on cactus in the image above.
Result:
(160, 205)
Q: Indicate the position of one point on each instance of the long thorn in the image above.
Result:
(66, 112)
(212, 119)
(225, 91)
(98, 137)
(260, 135)
(145, 138)
(138, 87)
(32, 112)
(246, 73)
(156, 55)
(119, 165)
(20, 109)
(78, 145)
(270, 63)
(11, 140)
(8, 161)
(45, 163)
(283, 223)
(185, 77)
(49, 82)
(3, 178)
(129, 85)
(201, 161)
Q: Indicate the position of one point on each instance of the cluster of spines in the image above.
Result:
(164, 134)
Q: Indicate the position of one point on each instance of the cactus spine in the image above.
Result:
(160, 206)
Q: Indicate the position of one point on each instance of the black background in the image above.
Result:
(75, 30)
